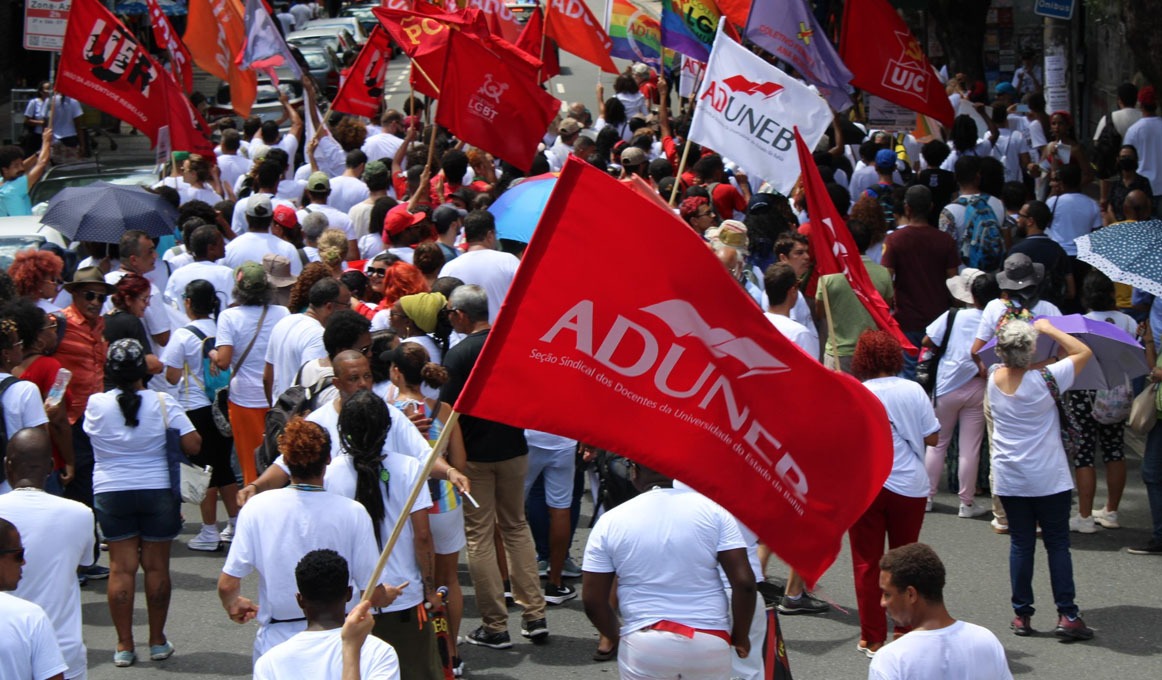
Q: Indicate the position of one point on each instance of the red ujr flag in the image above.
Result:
(363, 88)
(834, 250)
(488, 103)
(180, 61)
(532, 40)
(684, 375)
(887, 60)
(103, 65)
(574, 28)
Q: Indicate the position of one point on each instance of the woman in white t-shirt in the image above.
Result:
(626, 90)
(898, 511)
(1030, 467)
(184, 358)
(138, 512)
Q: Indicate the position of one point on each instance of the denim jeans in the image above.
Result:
(1025, 513)
(1152, 478)
(910, 360)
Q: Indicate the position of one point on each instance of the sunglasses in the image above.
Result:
(373, 271)
(18, 552)
(90, 296)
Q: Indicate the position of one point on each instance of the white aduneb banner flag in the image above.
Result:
(691, 69)
(747, 110)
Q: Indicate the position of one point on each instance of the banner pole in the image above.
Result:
(830, 325)
(432, 150)
(405, 513)
(681, 169)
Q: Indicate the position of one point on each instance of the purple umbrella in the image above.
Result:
(1117, 356)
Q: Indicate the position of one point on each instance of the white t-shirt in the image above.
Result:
(749, 537)
(983, 148)
(796, 333)
(962, 651)
(318, 655)
(300, 339)
(156, 320)
(360, 216)
(252, 246)
(23, 406)
(302, 14)
(403, 471)
(184, 351)
(131, 458)
(335, 219)
(952, 217)
(236, 326)
(634, 103)
(956, 367)
(231, 166)
(28, 645)
(218, 275)
(492, 270)
(995, 309)
(663, 545)
(277, 528)
(64, 119)
(381, 147)
(912, 418)
(56, 533)
(239, 224)
(346, 192)
(1008, 149)
(861, 178)
(1073, 215)
(1028, 457)
(1146, 137)
(1122, 321)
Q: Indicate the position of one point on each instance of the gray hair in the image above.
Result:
(314, 224)
(472, 300)
(1016, 344)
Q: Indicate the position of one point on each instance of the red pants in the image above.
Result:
(899, 519)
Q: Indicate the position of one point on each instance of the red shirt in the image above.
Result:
(82, 351)
(727, 200)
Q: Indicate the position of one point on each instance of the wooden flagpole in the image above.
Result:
(681, 169)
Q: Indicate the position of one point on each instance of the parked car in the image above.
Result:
(266, 105)
(337, 38)
(362, 14)
(350, 23)
(140, 170)
(25, 233)
(324, 66)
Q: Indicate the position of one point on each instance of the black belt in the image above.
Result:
(301, 618)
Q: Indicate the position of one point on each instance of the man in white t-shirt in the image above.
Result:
(1074, 213)
(253, 245)
(664, 548)
(299, 337)
(57, 534)
(382, 146)
(782, 289)
(348, 189)
(28, 645)
(231, 163)
(303, 11)
(138, 256)
(269, 135)
(324, 648)
(207, 246)
(953, 218)
(483, 265)
(318, 195)
(1146, 137)
(938, 647)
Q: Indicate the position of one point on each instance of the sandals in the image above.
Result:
(605, 654)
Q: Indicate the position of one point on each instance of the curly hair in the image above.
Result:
(364, 423)
(350, 133)
(130, 286)
(689, 206)
(416, 366)
(428, 258)
(32, 267)
(29, 319)
(402, 279)
(869, 211)
(918, 566)
(311, 274)
(1016, 343)
(877, 353)
(305, 448)
(332, 246)
(322, 576)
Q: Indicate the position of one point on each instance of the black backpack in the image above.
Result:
(4, 385)
(1105, 151)
(295, 401)
(614, 486)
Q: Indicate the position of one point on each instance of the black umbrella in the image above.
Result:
(102, 212)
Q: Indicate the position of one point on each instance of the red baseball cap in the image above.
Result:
(398, 219)
(286, 217)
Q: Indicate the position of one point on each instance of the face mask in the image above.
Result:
(1128, 164)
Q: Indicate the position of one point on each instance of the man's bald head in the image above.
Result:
(28, 461)
(1137, 205)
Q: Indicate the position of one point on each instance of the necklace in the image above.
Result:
(307, 487)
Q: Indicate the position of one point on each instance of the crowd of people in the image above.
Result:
(323, 301)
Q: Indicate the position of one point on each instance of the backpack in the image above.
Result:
(614, 485)
(1013, 312)
(4, 385)
(983, 246)
(215, 383)
(1112, 406)
(295, 401)
(882, 192)
(1105, 150)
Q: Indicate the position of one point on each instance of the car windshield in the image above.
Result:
(315, 59)
(10, 245)
(332, 40)
(50, 186)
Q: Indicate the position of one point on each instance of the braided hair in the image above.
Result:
(364, 423)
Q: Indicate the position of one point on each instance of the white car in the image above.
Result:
(350, 23)
(25, 233)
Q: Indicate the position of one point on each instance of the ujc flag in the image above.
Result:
(789, 31)
(686, 367)
(747, 110)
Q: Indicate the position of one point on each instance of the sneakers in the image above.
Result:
(207, 540)
(457, 667)
(570, 570)
(1072, 629)
(974, 510)
(805, 604)
(543, 568)
(537, 631)
(1106, 518)
(124, 658)
(998, 527)
(1022, 626)
(1154, 547)
(483, 638)
(868, 650)
(928, 506)
(1082, 525)
(96, 572)
(559, 594)
(227, 535)
(160, 652)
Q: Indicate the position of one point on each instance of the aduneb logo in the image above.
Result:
(730, 96)
(907, 74)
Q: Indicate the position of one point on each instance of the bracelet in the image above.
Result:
(450, 471)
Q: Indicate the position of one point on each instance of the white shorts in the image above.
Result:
(557, 466)
(659, 655)
(448, 531)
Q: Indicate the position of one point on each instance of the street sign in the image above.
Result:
(44, 24)
(1055, 9)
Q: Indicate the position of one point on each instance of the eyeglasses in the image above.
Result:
(18, 552)
(704, 214)
(374, 271)
(90, 296)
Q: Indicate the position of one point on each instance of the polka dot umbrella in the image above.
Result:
(1129, 253)
(102, 212)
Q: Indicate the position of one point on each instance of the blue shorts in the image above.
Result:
(557, 467)
(154, 515)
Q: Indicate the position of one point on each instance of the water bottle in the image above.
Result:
(57, 392)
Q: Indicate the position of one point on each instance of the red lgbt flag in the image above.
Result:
(834, 250)
(180, 62)
(575, 30)
(685, 375)
(532, 40)
(103, 66)
(488, 103)
(363, 88)
(887, 60)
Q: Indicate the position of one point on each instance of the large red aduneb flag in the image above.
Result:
(887, 60)
(575, 30)
(363, 88)
(488, 103)
(684, 375)
(180, 61)
(103, 65)
(834, 249)
(532, 40)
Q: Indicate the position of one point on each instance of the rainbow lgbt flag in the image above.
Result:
(636, 35)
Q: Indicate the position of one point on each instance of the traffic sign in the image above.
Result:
(1055, 9)
(44, 24)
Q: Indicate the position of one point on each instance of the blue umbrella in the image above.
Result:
(1130, 253)
(102, 212)
(518, 209)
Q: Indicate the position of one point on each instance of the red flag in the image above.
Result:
(893, 64)
(736, 11)
(532, 40)
(180, 62)
(575, 30)
(834, 250)
(363, 88)
(103, 66)
(521, 62)
(685, 375)
(499, 18)
(424, 40)
(488, 104)
(188, 131)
